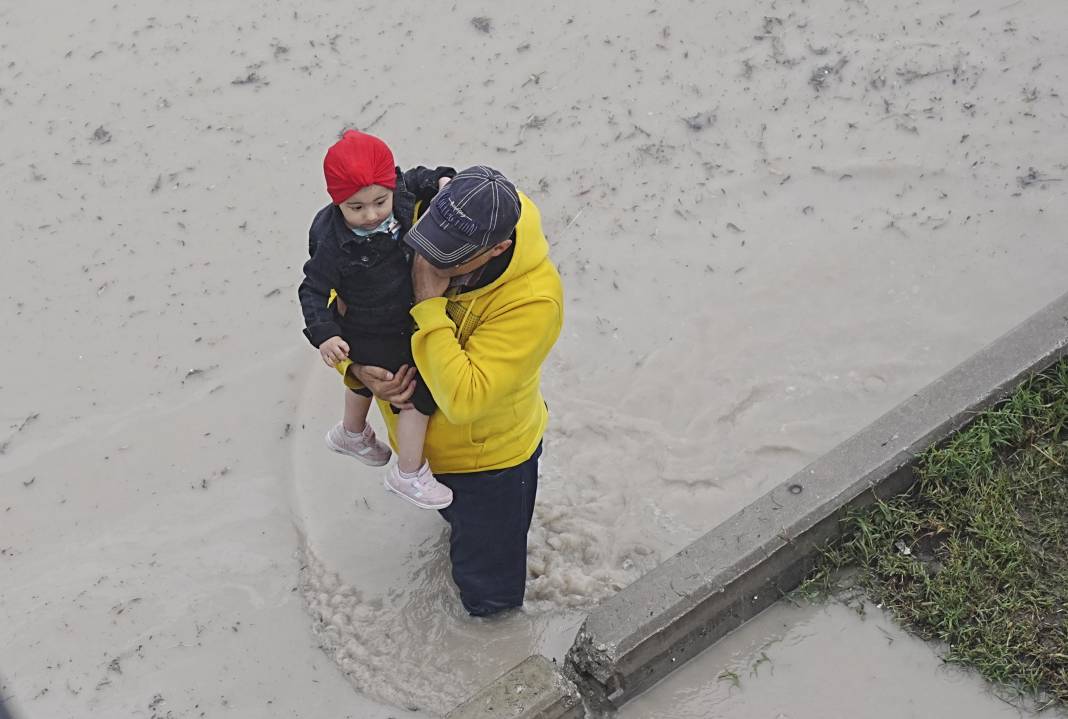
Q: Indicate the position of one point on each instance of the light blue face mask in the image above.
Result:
(384, 227)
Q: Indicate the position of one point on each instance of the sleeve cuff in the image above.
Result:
(321, 333)
(431, 313)
(342, 368)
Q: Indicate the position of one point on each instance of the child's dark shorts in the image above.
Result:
(388, 351)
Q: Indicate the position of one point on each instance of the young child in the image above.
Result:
(357, 292)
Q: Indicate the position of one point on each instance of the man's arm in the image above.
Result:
(506, 350)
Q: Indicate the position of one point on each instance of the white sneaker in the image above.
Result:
(422, 490)
(363, 446)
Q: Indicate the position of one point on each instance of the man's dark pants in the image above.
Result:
(489, 518)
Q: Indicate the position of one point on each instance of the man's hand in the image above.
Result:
(442, 181)
(333, 351)
(395, 388)
(426, 282)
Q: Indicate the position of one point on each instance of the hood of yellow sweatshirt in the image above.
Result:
(531, 248)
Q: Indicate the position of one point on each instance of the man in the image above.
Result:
(488, 308)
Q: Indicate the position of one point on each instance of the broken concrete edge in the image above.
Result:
(607, 683)
(639, 635)
(533, 689)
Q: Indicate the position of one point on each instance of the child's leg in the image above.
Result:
(353, 435)
(411, 476)
(356, 408)
(411, 432)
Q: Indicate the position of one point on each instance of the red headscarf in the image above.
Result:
(356, 161)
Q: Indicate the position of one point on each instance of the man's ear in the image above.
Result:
(501, 247)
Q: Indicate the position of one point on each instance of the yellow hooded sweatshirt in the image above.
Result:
(480, 353)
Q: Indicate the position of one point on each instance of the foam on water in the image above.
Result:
(375, 576)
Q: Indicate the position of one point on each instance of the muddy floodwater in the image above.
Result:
(774, 221)
(810, 662)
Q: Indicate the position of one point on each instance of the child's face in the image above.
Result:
(368, 208)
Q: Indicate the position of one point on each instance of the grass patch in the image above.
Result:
(975, 554)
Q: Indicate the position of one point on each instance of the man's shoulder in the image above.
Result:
(545, 280)
(538, 283)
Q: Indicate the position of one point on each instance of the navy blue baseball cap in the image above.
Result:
(478, 209)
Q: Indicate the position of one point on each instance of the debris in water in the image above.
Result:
(533, 122)
(253, 78)
(23, 425)
(1034, 177)
(823, 73)
(908, 76)
(700, 121)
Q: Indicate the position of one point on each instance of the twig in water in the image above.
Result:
(573, 221)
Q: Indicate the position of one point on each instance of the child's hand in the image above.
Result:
(333, 351)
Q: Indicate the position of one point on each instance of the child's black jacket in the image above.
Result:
(372, 275)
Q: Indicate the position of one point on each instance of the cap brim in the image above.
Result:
(436, 245)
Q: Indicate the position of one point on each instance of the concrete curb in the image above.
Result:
(533, 689)
(636, 637)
